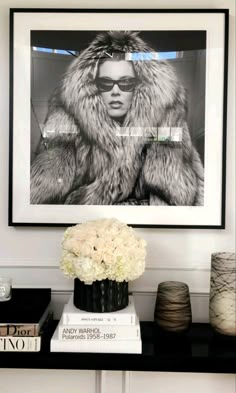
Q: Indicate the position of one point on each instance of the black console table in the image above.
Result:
(199, 350)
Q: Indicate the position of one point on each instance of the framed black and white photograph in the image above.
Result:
(118, 114)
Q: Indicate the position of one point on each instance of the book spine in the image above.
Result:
(76, 319)
(20, 344)
(23, 330)
(122, 346)
(97, 333)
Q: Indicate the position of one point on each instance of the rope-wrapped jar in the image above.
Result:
(173, 307)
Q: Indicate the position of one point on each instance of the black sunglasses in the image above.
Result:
(107, 84)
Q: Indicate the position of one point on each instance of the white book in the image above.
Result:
(101, 346)
(73, 316)
(98, 332)
(20, 344)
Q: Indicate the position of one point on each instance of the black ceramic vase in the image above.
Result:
(101, 296)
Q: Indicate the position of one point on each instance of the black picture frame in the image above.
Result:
(29, 27)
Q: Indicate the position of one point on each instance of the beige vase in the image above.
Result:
(222, 307)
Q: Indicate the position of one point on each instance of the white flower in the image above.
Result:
(100, 249)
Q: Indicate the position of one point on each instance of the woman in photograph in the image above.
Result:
(101, 145)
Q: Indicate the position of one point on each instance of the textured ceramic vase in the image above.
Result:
(223, 293)
(173, 307)
(101, 296)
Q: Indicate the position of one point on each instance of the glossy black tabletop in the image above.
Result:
(200, 349)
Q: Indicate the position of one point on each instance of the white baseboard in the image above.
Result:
(144, 288)
(144, 302)
(198, 280)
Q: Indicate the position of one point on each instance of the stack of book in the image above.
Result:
(23, 319)
(112, 332)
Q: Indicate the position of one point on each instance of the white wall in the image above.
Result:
(31, 255)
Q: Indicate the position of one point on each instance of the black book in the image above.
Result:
(25, 313)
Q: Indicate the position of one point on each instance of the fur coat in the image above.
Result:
(85, 158)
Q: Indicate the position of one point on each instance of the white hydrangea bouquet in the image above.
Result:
(102, 249)
(102, 256)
